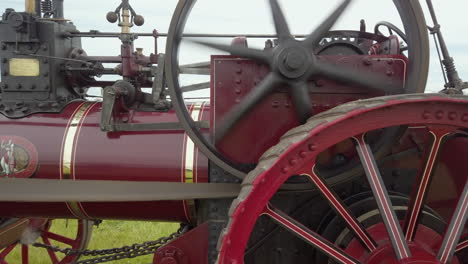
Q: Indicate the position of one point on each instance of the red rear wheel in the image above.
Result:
(401, 232)
(74, 234)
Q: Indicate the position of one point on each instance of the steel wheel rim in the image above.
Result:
(415, 27)
(299, 146)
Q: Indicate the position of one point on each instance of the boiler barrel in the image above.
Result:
(71, 146)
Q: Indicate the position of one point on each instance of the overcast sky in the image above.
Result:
(253, 16)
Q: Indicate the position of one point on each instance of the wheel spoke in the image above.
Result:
(7, 251)
(281, 25)
(318, 34)
(308, 236)
(455, 228)
(382, 199)
(338, 206)
(51, 253)
(301, 100)
(421, 188)
(463, 244)
(348, 76)
(254, 54)
(59, 238)
(24, 254)
(248, 102)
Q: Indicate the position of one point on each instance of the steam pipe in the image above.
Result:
(58, 9)
(38, 7)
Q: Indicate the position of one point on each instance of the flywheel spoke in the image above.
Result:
(339, 207)
(24, 254)
(421, 188)
(382, 199)
(308, 236)
(281, 25)
(455, 228)
(247, 104)
(318, 34)
(348, 76)
(301, 99)
(254, 54)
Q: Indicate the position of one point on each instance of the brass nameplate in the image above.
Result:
(24, 67)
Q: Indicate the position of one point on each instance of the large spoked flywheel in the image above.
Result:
(380, 228)
(292, 63)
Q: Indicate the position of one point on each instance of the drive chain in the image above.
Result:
(112, 254)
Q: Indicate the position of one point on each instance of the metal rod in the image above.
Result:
(38, 7)
(95, 34)
(454, 80)
(58, 9)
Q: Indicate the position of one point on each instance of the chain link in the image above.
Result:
(133, 251)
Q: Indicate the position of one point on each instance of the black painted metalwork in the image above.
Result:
(31, 52)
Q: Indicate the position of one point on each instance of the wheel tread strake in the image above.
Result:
(314, 124)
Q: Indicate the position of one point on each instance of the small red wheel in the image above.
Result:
(29, 231)
(399, 235)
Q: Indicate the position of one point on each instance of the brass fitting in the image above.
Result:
(30, 6)
(126, 24)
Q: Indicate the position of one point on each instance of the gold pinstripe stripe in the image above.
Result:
(189, 159)
(68, 150)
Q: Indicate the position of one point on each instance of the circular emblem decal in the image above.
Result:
(18, 157)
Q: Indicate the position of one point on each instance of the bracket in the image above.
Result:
(113, 99)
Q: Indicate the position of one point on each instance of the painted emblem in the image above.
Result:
(18, 157)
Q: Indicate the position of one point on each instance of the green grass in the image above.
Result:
(108, 234)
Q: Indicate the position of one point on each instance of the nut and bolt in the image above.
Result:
(367, 61)
(320, 83)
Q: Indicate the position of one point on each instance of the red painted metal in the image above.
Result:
(96, 155)
(382, 198)
(41, 228)
(426, 173)
(299, 158)
(309, 236)
(192, 247)
(233, 78)
(425, 239)
(340, 208)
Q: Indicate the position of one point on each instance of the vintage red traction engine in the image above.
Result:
(318, 148)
